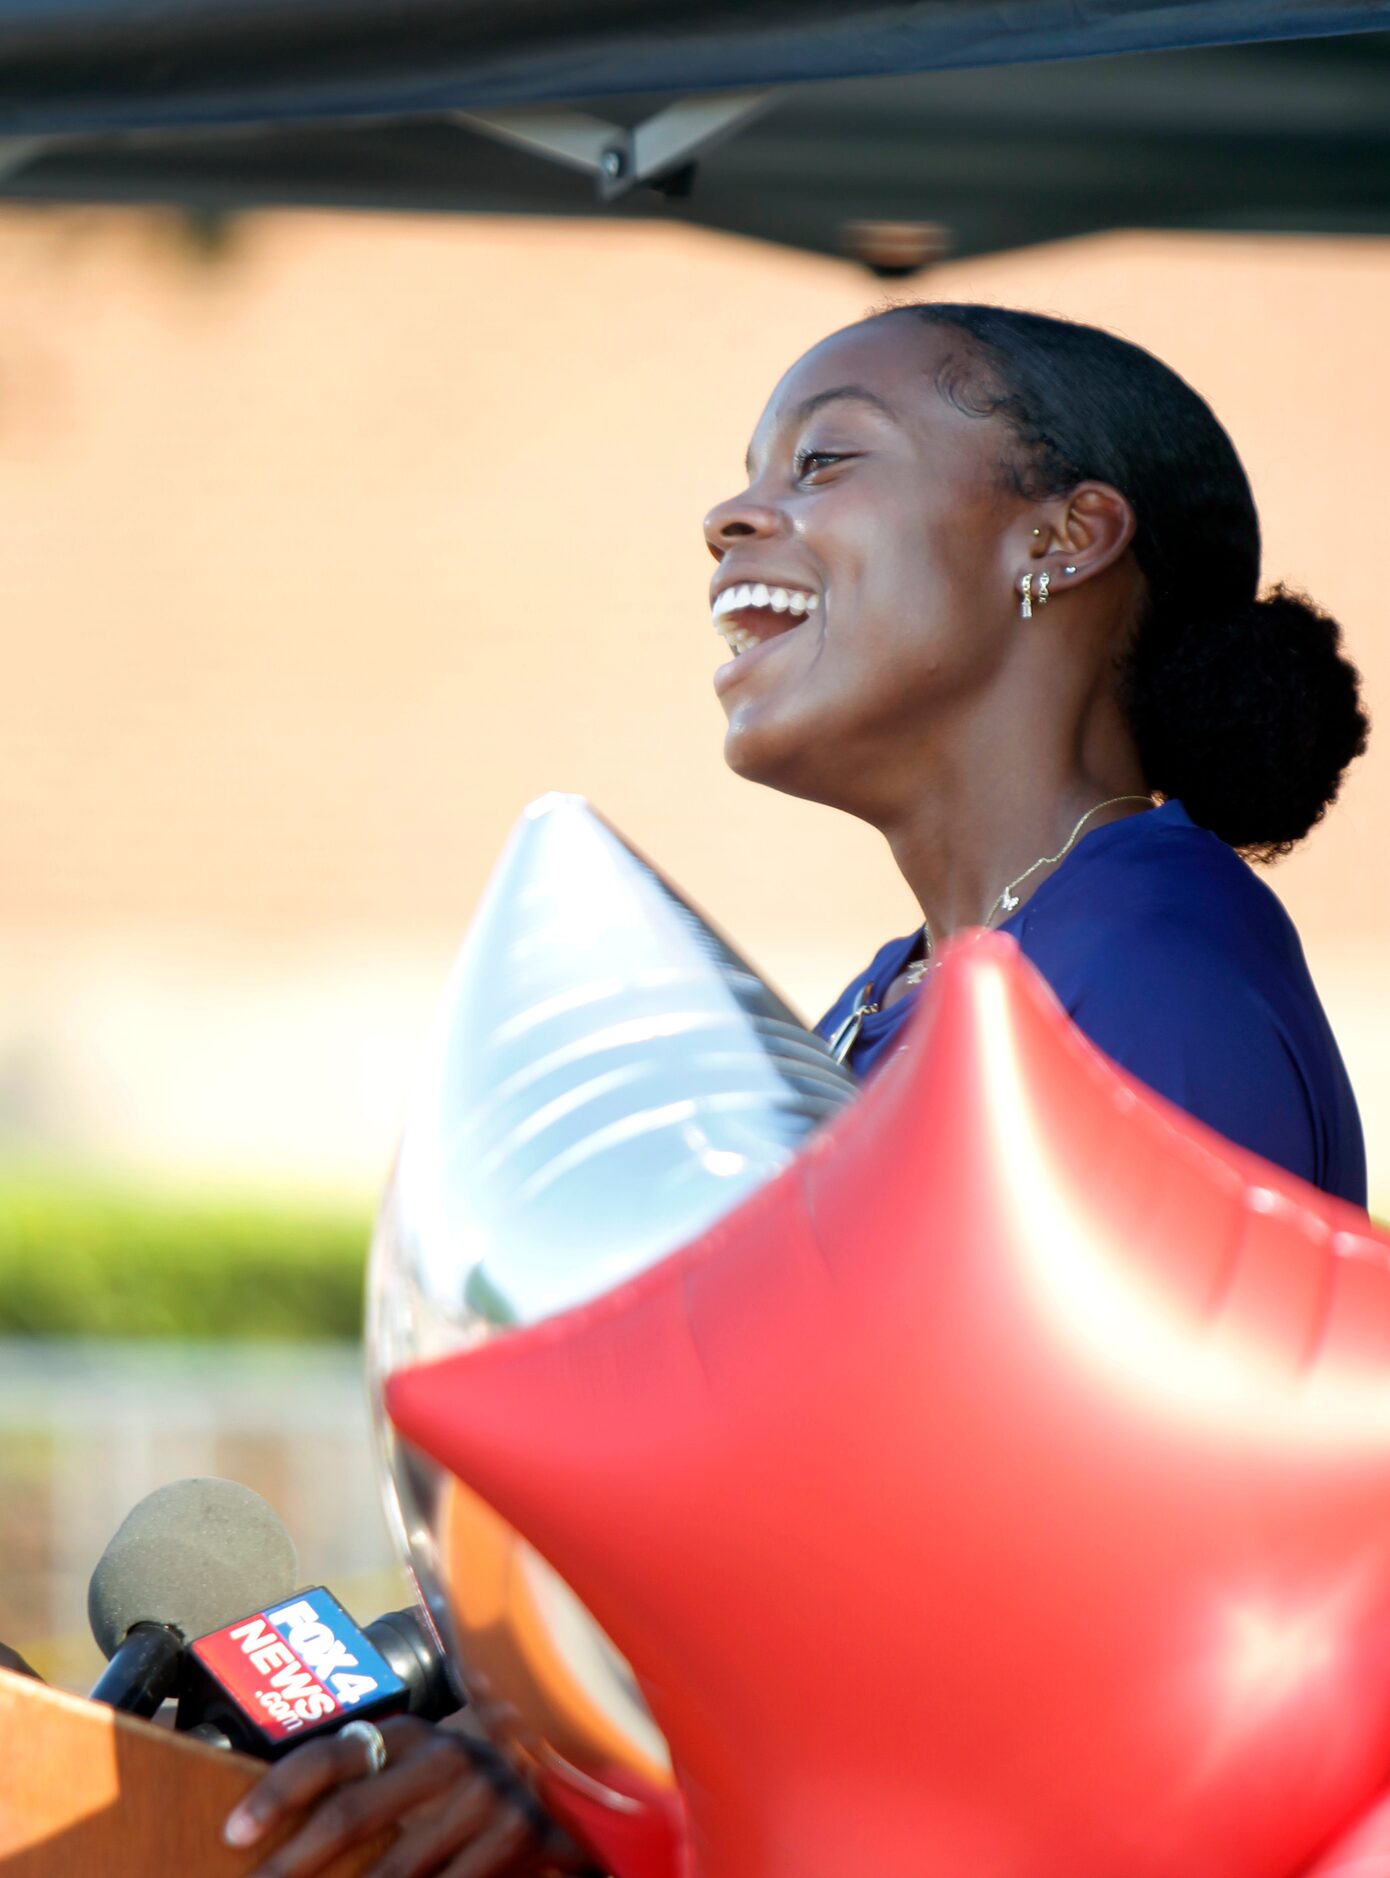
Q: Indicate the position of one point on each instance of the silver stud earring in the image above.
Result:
(1043, 579)
(1025, 587)
(1068, 570)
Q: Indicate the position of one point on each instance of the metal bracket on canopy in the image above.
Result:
(659, 152)
(16, 152)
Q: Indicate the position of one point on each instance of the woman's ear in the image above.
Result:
(1090, 533)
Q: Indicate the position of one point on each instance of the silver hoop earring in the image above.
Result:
(1025, 587)
(1043, 580)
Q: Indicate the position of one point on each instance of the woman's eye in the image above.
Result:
(807, 462)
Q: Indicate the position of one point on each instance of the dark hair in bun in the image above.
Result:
(1243, 707)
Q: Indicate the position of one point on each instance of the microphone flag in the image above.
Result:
(277, 1676)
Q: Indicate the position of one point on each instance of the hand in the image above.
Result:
(459, 1812)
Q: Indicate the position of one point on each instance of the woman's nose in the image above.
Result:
(738, 519)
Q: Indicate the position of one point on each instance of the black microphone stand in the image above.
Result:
(144, 1671)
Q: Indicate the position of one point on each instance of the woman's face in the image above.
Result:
(881, 512)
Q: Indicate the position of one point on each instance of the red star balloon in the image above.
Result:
(1003, 1490)
(1364, 1852)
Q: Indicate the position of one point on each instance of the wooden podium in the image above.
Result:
(88, 1793)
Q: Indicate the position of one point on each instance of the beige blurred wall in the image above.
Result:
(321, 559)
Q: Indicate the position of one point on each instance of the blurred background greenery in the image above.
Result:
(86, 1254)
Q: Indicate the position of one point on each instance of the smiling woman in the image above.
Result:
(991, 587)
(1026, 560)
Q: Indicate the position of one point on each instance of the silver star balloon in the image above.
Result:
(606, 1077)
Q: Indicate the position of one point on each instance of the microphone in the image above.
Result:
(182, 1563)
(409, 1645)
(281, 1675)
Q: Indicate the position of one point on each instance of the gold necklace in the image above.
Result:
(1008, 899)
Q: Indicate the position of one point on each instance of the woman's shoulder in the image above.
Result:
(1165, 890)
(1173, 920)
(1185, 968)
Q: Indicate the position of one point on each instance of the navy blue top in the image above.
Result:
(1185, 969)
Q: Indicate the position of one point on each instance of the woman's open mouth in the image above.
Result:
(752, 613)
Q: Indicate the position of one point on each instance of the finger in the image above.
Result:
(305, 1774)
(544, 1845)
(363, 1808)
(427, 1845)
(507, 1845)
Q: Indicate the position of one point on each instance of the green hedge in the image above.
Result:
(89, 1258)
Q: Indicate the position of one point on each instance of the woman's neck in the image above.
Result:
(965, 834)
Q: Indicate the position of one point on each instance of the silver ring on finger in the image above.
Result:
(372, 1740)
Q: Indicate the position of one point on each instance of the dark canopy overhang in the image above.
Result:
(982, 125)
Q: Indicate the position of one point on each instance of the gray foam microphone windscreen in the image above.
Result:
(194, 1555)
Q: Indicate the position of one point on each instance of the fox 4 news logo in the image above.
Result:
(299, 1667)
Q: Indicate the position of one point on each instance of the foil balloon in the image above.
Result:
(606, 1078)
(1363, 1852)
(1003, 1489)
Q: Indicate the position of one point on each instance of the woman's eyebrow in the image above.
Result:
(859, 394)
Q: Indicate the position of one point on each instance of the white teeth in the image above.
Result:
(739, 638)
(779, 599)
